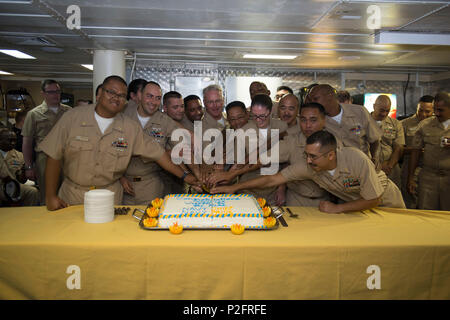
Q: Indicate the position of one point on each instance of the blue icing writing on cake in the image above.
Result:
(211, 211)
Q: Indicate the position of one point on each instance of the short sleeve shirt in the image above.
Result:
(357, 128)
(40, 120)
(159, 127)
(92, 158)
(354, 178)
(428, 136)
(392, 131)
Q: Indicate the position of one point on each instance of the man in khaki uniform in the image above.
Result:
(144, 181)
(392, 141)
(262, 122)
(410, 125)
(288, 107)
(344, 172)
(351, 124)
(11, 167)
(95, 144)
(433, 135)
(173, 106)
(303, 192)
(193, 110)
(38, 123)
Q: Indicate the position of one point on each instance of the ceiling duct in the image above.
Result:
(28, 41)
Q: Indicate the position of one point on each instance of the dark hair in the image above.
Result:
(442, 96)
(190, 98)
(135, 86)
(314, 105)
(20, 115)
(46, 82)
(427, 99)
(343, 96)
(171, 94)
(98, 88)
(323, 137)
(115, 78)
(236, 103)
(262, 100)
(285, 88)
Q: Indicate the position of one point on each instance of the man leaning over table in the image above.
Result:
(344, 172)
(94, 144)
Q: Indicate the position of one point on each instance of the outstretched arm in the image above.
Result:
(257, 183)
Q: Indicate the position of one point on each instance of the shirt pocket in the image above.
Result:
(43, 127)
(431, 139)
(116, 160)
(78, 155)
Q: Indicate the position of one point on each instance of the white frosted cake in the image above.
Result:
(211, 211)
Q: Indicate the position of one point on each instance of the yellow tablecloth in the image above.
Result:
(319, 256)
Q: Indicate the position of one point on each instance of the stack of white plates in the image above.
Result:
(99, 206)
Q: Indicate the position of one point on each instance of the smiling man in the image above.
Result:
(344, 172)
(94, 144)
(144, 181)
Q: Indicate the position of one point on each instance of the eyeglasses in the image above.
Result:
(260, 117)
(216, 102)
(114, 94)
(236, 119)
(313, 157)
(53, 92)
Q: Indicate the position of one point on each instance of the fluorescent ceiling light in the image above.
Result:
(4, 73)
(399, 37)
(88, 66)
(268, 56)
(16, 54)
(351, 17)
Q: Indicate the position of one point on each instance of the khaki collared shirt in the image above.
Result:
(428, 136)
(10, 164)
(274, 124)
(40, 120)
(392, 131)
(357, 128)
(209, 122)
(186, 123)
(92, 158)
(295, 129)
(410, 126)
(354, 178)
(160, 127)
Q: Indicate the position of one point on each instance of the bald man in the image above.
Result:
(288, 107)
(392, 141)
(350, 123)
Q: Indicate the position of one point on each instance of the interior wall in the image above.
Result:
(166, 73)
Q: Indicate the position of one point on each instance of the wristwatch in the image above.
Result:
(184, 175)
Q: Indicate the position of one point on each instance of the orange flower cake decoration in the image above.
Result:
(176, 228)
(152, 212)
(157, 203)
(266, 211)
(270, 222)
(150, 222)
(237, 228)
(262, 202)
